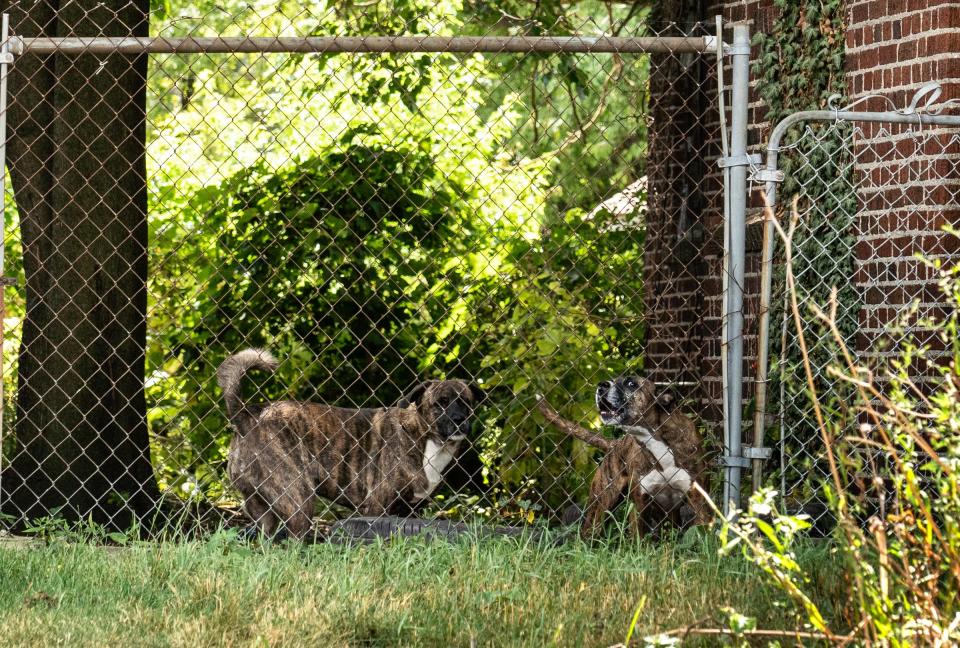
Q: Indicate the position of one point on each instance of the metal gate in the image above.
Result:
(859, 192)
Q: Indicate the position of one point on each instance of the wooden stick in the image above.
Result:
(797, 634)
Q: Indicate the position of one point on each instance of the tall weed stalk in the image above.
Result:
(892, 444)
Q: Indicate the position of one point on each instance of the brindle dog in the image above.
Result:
(655, 465)
(378, 461)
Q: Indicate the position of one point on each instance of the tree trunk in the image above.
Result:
(77, 161)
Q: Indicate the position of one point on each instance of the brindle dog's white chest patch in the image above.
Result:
(669, 485)
(436, 458)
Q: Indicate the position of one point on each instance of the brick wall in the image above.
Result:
(680, 148)
(906, 195)
(683, 281)
(908, 187)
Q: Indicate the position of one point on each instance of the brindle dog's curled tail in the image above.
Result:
(229, 374)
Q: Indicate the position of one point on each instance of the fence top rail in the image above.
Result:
(19, 45)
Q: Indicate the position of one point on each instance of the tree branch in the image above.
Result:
(574, 430)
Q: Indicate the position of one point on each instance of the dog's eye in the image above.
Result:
(631, 383)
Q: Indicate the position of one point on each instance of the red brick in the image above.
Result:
(906, 50)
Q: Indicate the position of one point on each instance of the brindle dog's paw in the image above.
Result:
(248, 533)
(572, 515)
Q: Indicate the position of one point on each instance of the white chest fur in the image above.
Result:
(436, 458)
(668, 485)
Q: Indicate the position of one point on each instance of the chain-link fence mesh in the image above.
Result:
(871, 202)
(375, 221)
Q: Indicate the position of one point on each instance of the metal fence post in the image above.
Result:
(737, 196)
(5, 59)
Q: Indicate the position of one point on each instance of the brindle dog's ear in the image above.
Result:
(415, 395)
(666, 400)
(649, 391)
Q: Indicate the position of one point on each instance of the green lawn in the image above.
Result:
(499, 592)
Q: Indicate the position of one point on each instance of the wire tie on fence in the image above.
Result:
(767, 175)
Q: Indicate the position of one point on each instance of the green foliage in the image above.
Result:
(378, 220)
(800, 66)
(562, 319)
(54, 528)
(893, 489)
(801, 57)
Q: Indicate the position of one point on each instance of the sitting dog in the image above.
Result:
(655, 464)
(378, 461)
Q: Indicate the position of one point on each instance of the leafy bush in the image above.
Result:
(367, 269)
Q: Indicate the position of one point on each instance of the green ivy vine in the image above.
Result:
(800, 65)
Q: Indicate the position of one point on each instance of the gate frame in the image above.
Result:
(770, 176)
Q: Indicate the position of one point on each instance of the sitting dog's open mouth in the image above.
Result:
(609, 411)
(611, 415)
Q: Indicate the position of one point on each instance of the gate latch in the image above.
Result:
(767, 175)
(747, 455)
(729, 461)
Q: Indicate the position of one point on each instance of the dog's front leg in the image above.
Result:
(379, 502)
(640, 512)
(608, 487)
(702, 513)
(261, 516)
(606, 491)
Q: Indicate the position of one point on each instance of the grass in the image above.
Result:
(501, 592)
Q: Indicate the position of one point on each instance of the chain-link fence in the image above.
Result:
(868, 196)
(531, 220)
